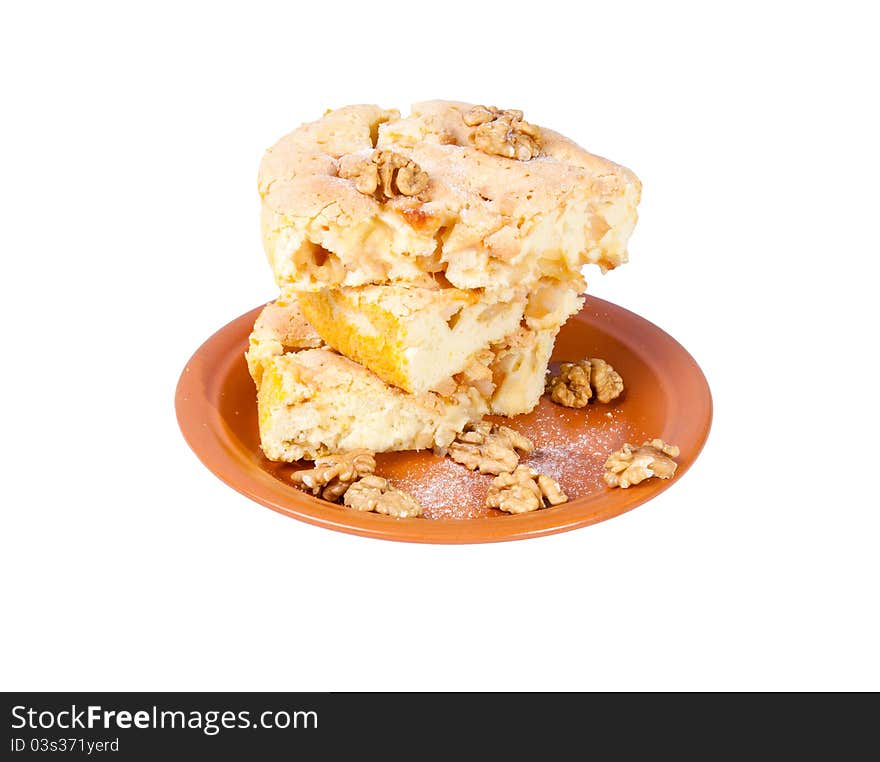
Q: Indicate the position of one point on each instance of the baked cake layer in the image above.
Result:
(315, 402)
(519, 369)
(312, 401)
(461, 212)
(419, 339)
(414, 338)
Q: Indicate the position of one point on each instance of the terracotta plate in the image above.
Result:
(666, 396)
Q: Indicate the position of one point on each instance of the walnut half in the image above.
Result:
(523, 490)
(503, 132)
(579, 381)
(631, 465)
(334, 474)
(373, 493)
(386, 174)
(489, 448)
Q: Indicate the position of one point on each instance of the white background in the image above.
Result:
(130, 145)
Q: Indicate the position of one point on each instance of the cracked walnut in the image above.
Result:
(503, 132)
(334, 474)
(489, 448)
(578, 382)
(373, 493)
(524, 490)
(631, 465)
(386, 173)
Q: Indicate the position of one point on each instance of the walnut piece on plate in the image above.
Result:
(578, 382)
(334, 474)
(503, 132)
(489, 448)
(631, 465)
(373, 493)
(524, 490)
(386, 173)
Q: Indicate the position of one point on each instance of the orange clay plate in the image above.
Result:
(666, 396)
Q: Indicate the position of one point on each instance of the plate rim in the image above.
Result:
(216, 448)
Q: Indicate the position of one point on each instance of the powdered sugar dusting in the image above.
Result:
(576, 461)
(448, 490)
(571, 447)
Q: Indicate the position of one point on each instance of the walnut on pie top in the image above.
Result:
(503, 132)
(385, 173)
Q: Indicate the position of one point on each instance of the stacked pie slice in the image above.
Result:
(425, 265)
